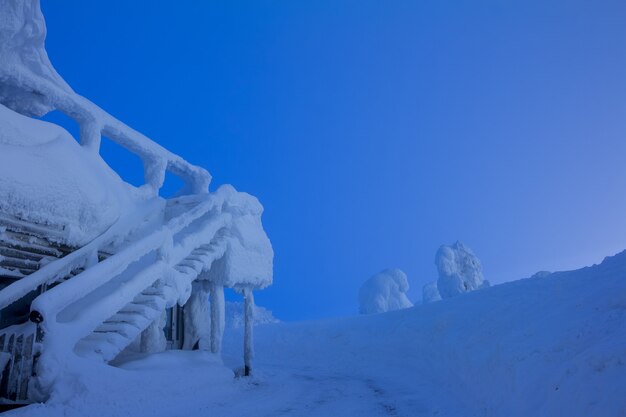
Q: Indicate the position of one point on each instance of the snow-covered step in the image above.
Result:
(124, 328)
(196, 265)
(121, 329)
(137, 319)
(184, 269)
(153, 301)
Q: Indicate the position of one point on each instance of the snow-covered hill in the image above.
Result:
(548, 346)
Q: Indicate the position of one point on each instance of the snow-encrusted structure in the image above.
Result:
(90, 266)
(459, 270)
(385, 291)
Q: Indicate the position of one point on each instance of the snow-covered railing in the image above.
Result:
(81, 258)
(49, 304)
(72, 311)
(95, 122)
(17, 351)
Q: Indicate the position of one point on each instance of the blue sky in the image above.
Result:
(372, 131)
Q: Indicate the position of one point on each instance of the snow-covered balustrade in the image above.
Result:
(30, 85)
(72, 311)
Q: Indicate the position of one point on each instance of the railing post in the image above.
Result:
(154, 173)
(90, 135)
(248, 343)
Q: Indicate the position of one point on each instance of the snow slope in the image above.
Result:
(544, 346)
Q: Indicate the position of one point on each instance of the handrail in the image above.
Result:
(94, 121)
(54, 300)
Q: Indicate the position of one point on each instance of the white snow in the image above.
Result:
(22, 37)
(385, 291)
(249, 258)
(48, 178)
(459, 270)
(552, 346)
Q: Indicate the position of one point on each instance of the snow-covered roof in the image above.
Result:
(47, 177)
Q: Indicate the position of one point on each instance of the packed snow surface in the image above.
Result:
(459, 270)
(550, 346)
(385, 291)
(47, 177)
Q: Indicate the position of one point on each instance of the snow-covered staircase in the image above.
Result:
(162, 247)
(121, 329)
(118, 331)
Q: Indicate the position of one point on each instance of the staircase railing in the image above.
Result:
(95, 122)
(66, 313)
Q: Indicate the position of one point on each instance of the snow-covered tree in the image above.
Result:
(459, 270)
(383, 292)
(430, 293)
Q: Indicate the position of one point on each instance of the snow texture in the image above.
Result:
(459, 270)
(248, 261)
(385, 291)
(23, 56)
(83, 198)
(430, 293)
(558, 350)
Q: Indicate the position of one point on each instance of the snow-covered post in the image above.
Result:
(197, 325)
(217, 317)
(154, 173)
(90, 135)
(248, 343)
(153, 338)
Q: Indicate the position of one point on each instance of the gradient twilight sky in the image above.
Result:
(375, 131)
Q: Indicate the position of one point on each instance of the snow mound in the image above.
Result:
(459, 270)
(385, 291)
(249, 257)
(46, 177)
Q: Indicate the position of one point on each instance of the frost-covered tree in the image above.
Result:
(383, 292)
(459, 270)
(430, 293)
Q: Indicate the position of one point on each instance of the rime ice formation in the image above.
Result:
(430, 293)
(130, 259)
(459, 270)
(385, 291)
(24, 62)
